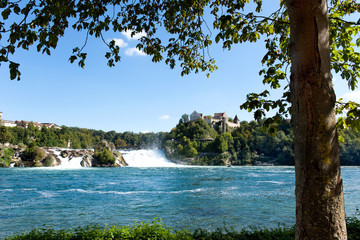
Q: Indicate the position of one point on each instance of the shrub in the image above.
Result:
(156, 230)
(49, 161)
(353, 228)
(33, 153)
(5, 157)
(104, 153)
(105, 156)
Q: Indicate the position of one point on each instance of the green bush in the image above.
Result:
(105, 156)
(33, 153)
(49, 161)
(151, 230)
(5, 157)
(263, 234)
(156, 230)
(353, 228)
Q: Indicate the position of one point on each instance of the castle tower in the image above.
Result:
(224, 124)
(236, 119)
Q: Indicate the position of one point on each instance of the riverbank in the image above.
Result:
(157, 230)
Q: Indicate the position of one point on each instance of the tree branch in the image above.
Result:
(344, 21)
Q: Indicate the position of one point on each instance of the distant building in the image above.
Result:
(9, 123)
(235, 123)
(195, 116)
(25, 124)
(221, 118)
(50, 125)
(208, 119)
(236, 119)
(6, 123)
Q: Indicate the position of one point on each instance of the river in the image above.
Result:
(183, 197)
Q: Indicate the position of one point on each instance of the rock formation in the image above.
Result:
(54, 157)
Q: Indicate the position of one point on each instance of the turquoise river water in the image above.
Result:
(183, 197)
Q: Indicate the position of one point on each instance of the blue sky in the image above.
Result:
(135, 95)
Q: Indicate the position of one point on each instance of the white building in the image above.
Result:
(25, 124)
(9, 123)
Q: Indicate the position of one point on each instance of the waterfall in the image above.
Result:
(147, 158)
(134, 158)
(68, 162)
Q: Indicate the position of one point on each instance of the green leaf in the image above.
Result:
(5, 14)
(16, 9)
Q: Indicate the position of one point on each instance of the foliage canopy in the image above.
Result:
(192, 26)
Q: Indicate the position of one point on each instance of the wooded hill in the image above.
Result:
(197, 143)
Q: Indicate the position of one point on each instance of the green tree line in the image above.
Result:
(77, 137)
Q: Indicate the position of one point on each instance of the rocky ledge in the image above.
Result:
(53, 157)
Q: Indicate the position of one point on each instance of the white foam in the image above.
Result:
(80, 190)
(147, 158)
(67, 162)
(47, 194)
(135, 192)
(109, 192)
(28, 189)
(254, 175)
(189, 191)
(275, 182)
(6, 190)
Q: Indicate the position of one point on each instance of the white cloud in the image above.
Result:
(146, 131)
(127, 34)
(353, 96)
(165, 117)
(134, 51)
(119, 42)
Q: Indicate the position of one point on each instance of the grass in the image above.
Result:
(155, 230)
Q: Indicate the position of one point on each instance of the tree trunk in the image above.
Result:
(319, 193)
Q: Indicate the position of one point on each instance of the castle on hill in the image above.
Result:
(219, 118)
(25, 124)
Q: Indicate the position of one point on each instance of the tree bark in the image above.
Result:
(320, 210)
